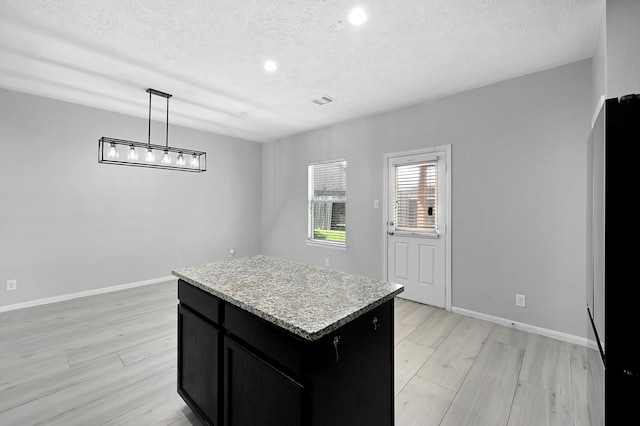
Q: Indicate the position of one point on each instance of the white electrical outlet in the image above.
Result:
(231, 252)
(12, 285)
(520, 300)
(326, 262)
(375, 204)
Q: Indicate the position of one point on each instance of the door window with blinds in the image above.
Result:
(415, 208)
(327, 197)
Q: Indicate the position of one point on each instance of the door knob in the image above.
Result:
(390, 232)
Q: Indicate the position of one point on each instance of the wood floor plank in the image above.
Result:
(146, 318)
(509, 335)
(125, 399)
(27, 372)
(547, 364)
(140, 312)
(5, 319)
(409, 357)
(119, 341)
(125, 304)
(422, 403)
(70, 398)
(412, 313)
(54, 382)
(452, 360)
(67, 316)
(185, 418)
(116, 337)
(11, 361)
(473, 328)
(535, 406)
(401, 331)
(162, 407)
(148, 349)
(37, 311)
(579, 385)
(435, 329)
(50, 337)
(486, 395)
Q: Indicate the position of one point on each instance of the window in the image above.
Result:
(415, 197)
(327, 196)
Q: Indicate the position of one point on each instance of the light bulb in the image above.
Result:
(150, 157)
(133, 154)
(113, 152)
(270, 66)
(357, 16)
(165, 157)
(194, 161)
(180, 161)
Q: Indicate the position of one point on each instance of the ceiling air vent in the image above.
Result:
(323, 100)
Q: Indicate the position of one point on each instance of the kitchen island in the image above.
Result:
(265, 341)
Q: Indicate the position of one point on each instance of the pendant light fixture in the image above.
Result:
(171, 158)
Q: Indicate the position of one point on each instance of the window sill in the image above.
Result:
(327, 244)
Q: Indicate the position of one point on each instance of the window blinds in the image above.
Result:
(415, 197)
(327, 189)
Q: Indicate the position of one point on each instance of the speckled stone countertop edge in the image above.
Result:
(305, 334)
(336, 325)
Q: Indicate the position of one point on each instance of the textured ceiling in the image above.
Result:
(209, 54)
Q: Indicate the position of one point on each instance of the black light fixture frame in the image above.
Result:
(107, 142)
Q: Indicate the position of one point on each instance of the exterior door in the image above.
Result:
(416, 226)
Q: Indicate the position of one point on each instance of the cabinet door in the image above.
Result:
(199, 365)
(256, 393)
(353, 372)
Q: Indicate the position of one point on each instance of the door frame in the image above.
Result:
(447, 219)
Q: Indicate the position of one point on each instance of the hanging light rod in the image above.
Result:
(158, 93)
(126, 153)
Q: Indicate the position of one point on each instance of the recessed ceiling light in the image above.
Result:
(357, 16)
(270, 66)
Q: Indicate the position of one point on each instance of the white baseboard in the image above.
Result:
(570, 338)
(64, 297)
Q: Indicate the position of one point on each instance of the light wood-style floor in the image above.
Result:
(111, 360)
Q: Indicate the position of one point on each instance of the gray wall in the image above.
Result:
(68, 224)
(518, 183)
(616, 57)
(623, 47)
(599, 65)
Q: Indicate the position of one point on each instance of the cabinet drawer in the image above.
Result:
(206, 304)
(274, 342)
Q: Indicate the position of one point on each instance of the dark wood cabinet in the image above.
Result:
(253, 372)
(257, 393)
(199, 377)
(355, 385)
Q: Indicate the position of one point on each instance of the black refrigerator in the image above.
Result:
(612, 252)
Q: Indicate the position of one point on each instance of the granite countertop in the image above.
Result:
(308, 301)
